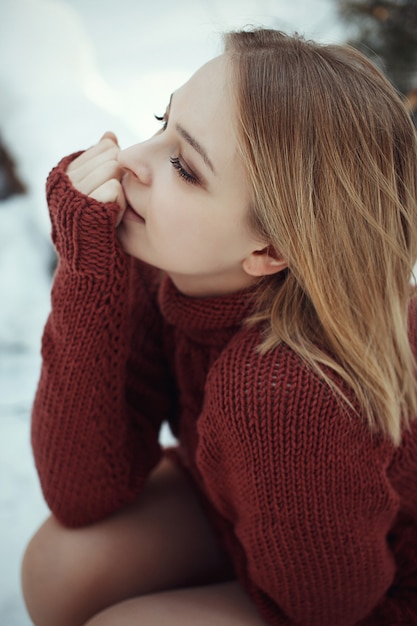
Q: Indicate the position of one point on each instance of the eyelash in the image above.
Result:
(175, 161)
(163, 119)
(182, 173)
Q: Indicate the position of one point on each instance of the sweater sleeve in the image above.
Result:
(103, 388)
(302, 487)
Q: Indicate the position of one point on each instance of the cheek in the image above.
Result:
(179, 222)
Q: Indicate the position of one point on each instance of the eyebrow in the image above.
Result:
(194, 144)
(192, 141)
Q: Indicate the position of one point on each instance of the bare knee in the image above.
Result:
(57, 581)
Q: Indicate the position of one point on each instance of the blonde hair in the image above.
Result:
(331, 155)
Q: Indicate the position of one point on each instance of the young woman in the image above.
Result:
(244, 275)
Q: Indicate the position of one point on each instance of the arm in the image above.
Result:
(304, 488)
(101, 395)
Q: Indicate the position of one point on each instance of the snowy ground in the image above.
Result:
(68, 72)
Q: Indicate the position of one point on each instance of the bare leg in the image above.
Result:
(161, 542)
(214, 605)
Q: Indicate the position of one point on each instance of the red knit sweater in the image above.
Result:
(319, 517)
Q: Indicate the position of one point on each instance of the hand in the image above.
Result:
(97, 173)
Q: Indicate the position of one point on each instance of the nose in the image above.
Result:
(135, 160)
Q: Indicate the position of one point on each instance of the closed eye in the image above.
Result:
(182, 172)
(163, 119)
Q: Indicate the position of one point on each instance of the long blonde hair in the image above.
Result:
(331, 154)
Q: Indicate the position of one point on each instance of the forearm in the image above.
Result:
(87, 447)
(92, 451)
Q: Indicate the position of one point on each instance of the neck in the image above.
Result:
(211, 285)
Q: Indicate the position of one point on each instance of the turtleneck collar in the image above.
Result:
(196, 315)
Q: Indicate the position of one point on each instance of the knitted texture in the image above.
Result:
(318, 515)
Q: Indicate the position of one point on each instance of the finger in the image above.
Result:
(109, 135)
(110, 191)
(85, 168)
(104, 145)
(99, 176)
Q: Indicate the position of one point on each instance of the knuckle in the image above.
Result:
(108, 143)
(113, 186)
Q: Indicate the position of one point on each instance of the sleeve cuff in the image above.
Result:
(83, 230)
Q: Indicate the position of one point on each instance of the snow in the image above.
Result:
(68, 72)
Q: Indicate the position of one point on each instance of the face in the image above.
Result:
(187, 194)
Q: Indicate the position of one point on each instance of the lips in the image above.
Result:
(132, 215)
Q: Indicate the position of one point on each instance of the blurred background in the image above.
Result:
(70, 70)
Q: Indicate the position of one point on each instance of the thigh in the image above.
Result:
(162, 541)
(223, 604)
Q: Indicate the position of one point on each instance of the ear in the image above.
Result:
(264, 262)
